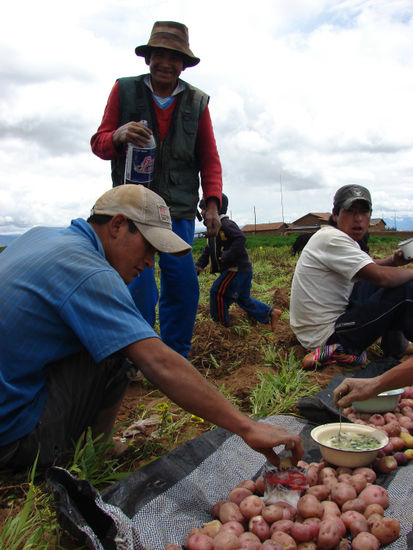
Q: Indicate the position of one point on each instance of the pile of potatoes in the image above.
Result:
(398, 425)
(341, 509)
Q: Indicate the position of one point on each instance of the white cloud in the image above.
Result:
(315, 93)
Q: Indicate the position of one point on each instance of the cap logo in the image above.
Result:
(164, 213)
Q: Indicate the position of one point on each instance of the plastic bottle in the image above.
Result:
(140, 161)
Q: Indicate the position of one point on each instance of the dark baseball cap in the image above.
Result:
(348, 194)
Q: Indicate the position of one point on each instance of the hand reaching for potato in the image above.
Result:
(263, 438)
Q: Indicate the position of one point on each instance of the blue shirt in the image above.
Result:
(58, 294)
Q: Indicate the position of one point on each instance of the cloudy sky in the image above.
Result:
(306, 96)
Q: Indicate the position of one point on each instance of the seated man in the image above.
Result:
(229, 257)
(342, 300)
(68, 323)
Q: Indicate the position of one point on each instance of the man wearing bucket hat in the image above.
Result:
(70, 333)
(178, 117)
(342, 300)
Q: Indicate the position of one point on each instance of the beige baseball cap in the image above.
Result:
(148, 211)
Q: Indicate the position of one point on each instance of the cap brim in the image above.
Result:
(164, 240)
(347, 203)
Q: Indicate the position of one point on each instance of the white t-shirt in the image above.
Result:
(322, 284)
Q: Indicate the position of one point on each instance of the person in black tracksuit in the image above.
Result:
(228, 256)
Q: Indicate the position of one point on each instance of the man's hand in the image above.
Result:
(399, 259)
(131, 132)
(355, 389)
(211, 218)
(263, 437)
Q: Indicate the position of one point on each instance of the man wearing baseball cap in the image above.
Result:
(70, 333)
(342, 300)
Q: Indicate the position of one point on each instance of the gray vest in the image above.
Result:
(176, 175)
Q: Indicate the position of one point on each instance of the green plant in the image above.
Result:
(278, 392)
(35, 525)
(91, 461)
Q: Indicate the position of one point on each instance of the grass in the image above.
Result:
(280, 388)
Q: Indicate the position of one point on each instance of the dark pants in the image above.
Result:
(77, 390)
(375, 312)
(235, 286)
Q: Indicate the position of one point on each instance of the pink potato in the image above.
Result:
(406, 422)
(284, 540)
(301, 532)
(330, 509)
(249, 541)
(289, 511)
(251, 506)
(368, 473)
(259, 527)
(321, 492)
(386, 530)
(282, 525)
(309, 506)
(312, 476)
(248, 484)
(233, 527)
(311, 545)
(211, 528)
(229, 511)
(373, 509)
(344, 544)
(326, 472)
(393, 428)
(344, 470)
(355, 522)
(355, 504)
(345, 478)
(239, 493)
(342, 492)
(389, 417)
(359, 482)
(272, 513)
(271, 545)
(199, 542)
(225, 541)
(365, 541)
(377, 420)
(374, 494)
(216, 508)
(260, 485)
(314, 524)
(328, 534)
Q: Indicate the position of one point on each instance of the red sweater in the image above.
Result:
(206, 148)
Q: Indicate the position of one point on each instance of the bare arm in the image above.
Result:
(385, 275)
(358, 389)
(182, 383)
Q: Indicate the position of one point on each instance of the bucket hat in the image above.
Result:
(148, 212)
(171, 36)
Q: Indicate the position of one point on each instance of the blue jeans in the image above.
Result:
(375, 312)
(234, 286)
(179, 296)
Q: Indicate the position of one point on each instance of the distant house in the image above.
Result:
(377, 224)
(312, 219)
(265, 228)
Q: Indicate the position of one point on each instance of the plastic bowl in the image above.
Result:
(407, 248)
(341, 457)
(384, 402)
